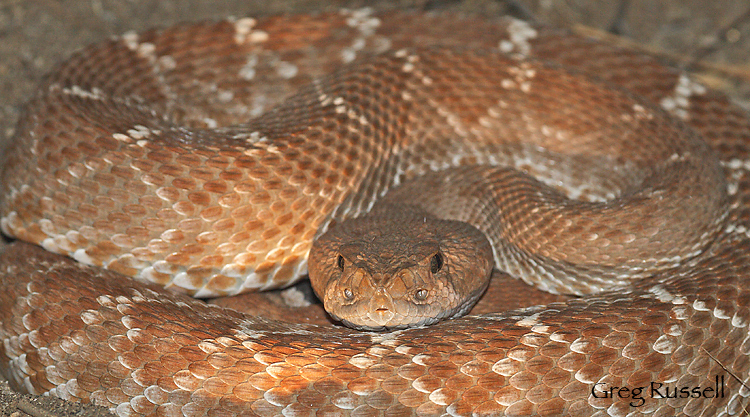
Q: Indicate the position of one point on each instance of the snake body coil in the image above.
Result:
(205, 158)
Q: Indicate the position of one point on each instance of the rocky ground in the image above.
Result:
(712, 39)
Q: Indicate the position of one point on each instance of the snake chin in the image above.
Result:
(411, 269)
(364, 328)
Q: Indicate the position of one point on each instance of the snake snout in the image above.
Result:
(382, 309)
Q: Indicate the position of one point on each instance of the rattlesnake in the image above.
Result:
(137, 155)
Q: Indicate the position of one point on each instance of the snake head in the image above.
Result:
(399, 269)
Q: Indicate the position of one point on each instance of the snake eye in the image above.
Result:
(340, 262)
(421, 294)
(436, 263)
(348, 294)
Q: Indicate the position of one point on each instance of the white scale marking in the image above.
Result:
(679, 102)
(244, 33)
(520, 32)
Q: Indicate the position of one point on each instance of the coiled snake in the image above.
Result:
(170, 156)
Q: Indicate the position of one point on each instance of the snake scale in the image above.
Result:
(172, 156)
